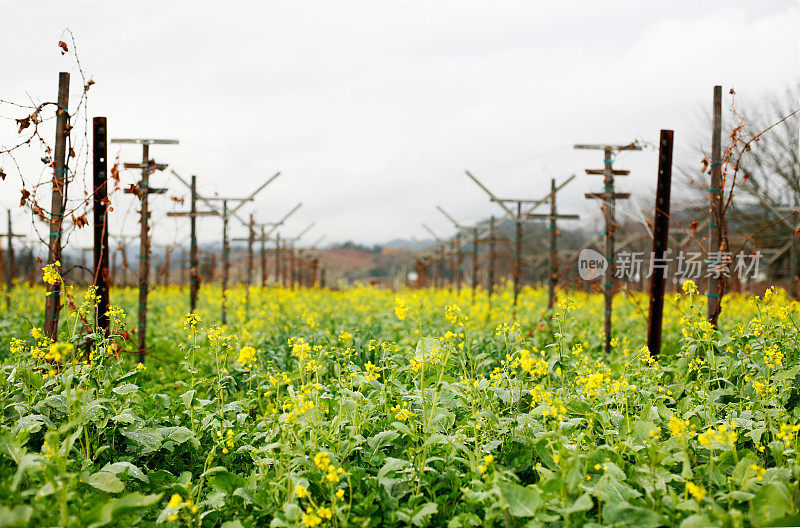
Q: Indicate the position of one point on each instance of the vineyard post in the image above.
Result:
(194, 262)
(100, 216)
(660, 243)
(263, 240)
(552, 257)
(225, 214)
(609, 198)
(225, 261)
(492, 262)
(474, 262)
(518, 216)
(147, 166)
(716, 283)
(52, 303)
(278, 277)
(251, 236)
(9, 266)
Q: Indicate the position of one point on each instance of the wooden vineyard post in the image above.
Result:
(263, 240)
(716, 281)
(660, 243)
(552, 226)
(142, 191)
(517, 254)
(100, 217)
(251, 237)
(490, 277)
(9, 266)
(226, 266)
(609, 198)
(518, 216)
(292, 268)
(226, 215)
(264, 237)
(52, 305)
(278, 276)
(474, 262)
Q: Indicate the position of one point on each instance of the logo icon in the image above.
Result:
(591, 264)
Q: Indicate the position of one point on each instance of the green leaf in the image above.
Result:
(522, 501)
(118, 467)
(17, 517)
(125, 389)
(620, 514)
(149, 440)
(105, 481)
(130, 503)
(223, 480)
(772, 502)
(178, 435)
(698, 521)
(381, 439)
(584, 503)
(423, 513)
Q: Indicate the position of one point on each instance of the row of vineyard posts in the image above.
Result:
(443, 264)
(293, 266)
(440, 266)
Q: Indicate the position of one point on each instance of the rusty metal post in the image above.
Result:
(225, 261)
(100, 214)
(660, 243)
(194, 263)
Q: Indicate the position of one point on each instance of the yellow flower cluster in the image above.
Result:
(434, 357)
(401, 412)
(535, 367)
(454, 315)
(174, 505)
(689, 287)
(722, 436)
(401, 309)
(313, 518)
(373, 372)
(592, 383)
(298, 408)
(247, 356)
(538, 395)
(323, 461)
(487, 461)
(300, 348)
(678, 427)
(58, 351)
(190, 323)
(788, 433)
(695, 491)
(556, 411)
(51, 274)
(773, 356)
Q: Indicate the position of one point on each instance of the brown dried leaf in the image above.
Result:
(2, 175)
(25, 195)
(23, 123)
(80, 221)
(88, 85)
(63, 46)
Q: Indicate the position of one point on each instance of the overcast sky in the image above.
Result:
(372, 110)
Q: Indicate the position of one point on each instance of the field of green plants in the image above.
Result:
(366, 407)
